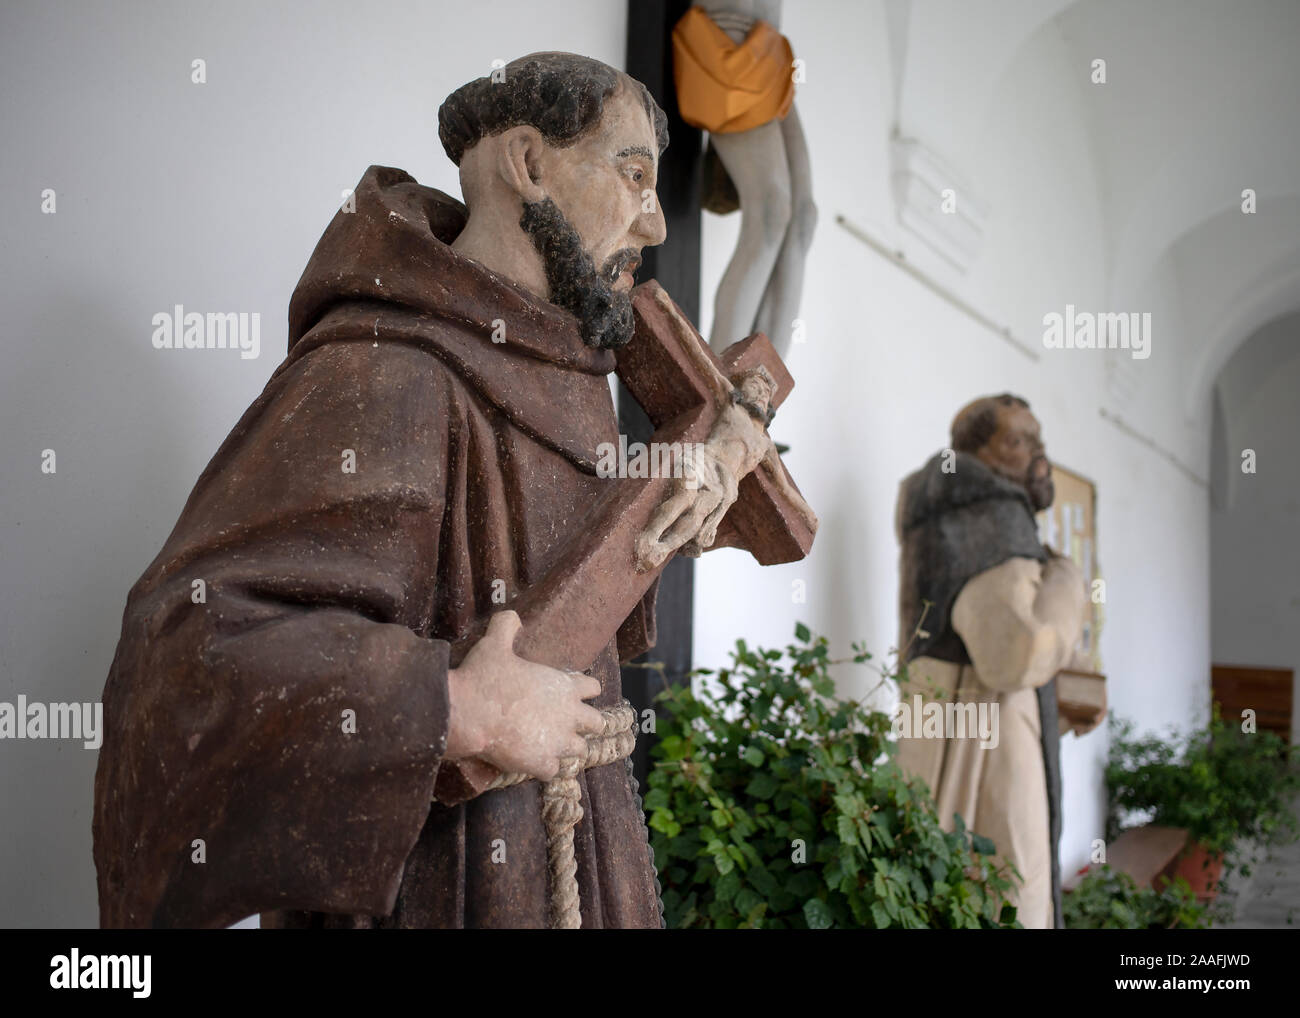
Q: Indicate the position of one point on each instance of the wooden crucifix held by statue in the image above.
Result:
(690, 395)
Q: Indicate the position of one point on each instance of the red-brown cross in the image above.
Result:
(573, 612)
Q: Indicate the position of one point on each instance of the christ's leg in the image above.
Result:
(780, 304)
(757, 163)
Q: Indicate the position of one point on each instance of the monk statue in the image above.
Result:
(330, 704)
(989, 616)
(734, 73)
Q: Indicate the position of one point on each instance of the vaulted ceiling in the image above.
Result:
(1202, 102)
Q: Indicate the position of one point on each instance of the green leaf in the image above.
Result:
(763, 786)
(728, 887)
(817, 914)
(982, 845)
(763, 880)
(661, 820)
(749, 904)
(801, 633)
(753, 756)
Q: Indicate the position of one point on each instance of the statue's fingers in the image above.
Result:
(651, 543)
(588, 720)
(709, 530)
(653, 554)
(680, 502)
(687, 525)
(503, 627)
(654, 530)
(585, 686)
(647, 553)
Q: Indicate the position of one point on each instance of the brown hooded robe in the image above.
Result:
(328, 590)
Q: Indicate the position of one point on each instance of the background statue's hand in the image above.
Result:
(517, 715)
(1084, 727)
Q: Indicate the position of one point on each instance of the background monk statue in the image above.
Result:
(310, 655)
(1004, 615)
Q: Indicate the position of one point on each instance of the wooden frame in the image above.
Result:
(1069, 527)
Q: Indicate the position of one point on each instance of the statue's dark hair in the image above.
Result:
(977, 422)
(561, 94)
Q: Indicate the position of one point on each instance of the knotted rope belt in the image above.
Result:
(562, 807)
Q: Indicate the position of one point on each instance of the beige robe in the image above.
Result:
(1020, 622)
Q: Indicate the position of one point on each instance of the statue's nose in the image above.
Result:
(651, 226)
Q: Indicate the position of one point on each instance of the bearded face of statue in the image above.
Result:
(558, 164)
(1016, 452)
(599, 298)
(599, 211)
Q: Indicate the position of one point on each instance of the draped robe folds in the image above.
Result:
(274, 735)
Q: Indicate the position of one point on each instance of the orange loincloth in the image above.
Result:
(724, 86)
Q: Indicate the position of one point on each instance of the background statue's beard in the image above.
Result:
(604, 314)
(1042, 490)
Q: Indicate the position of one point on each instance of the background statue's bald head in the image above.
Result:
(1001, 432)
(562, 95)
(977, 421)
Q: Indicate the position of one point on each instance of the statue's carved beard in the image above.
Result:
(604, 314)
(1042, 491)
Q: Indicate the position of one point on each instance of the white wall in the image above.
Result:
(168, 192)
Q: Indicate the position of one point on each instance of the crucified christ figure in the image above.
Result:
(768, 163)
(737, 444)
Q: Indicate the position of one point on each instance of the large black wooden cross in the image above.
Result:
(676, 265)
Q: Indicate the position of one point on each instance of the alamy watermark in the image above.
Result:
(34, 720)
(1083, 330)
(948, 720)
(653, 459)
(179, 329)
(75, 971)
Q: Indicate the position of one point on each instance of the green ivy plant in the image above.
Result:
(1107, 899)
(774, 804)
(1222, 784)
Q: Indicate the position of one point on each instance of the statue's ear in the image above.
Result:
(519, 159)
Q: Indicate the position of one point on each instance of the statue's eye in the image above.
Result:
(637, 173)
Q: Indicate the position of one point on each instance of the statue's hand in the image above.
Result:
(689, 518)
(1081, 728)
(727, 482)
(698, 501)
(519, 716)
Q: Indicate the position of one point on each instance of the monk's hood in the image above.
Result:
(955, 518)
(934, 491)
(386, 273)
